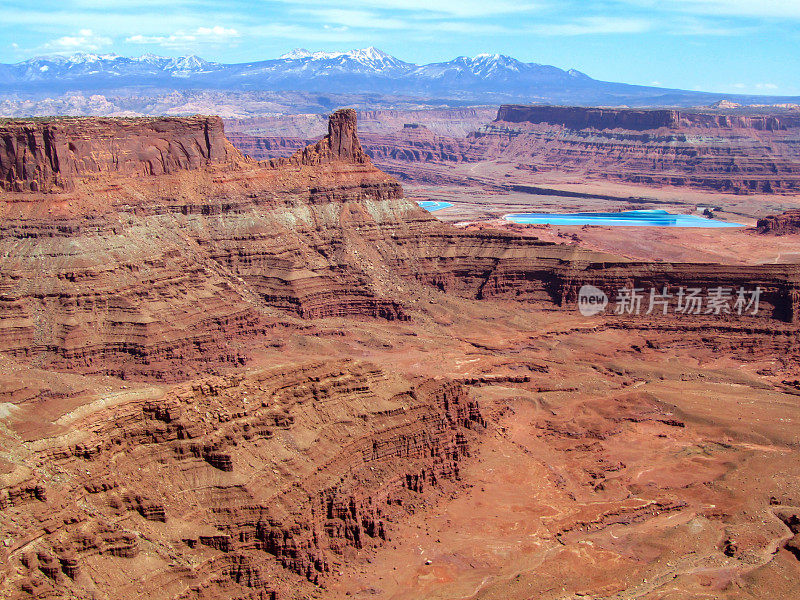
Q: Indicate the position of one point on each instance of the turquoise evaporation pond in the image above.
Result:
(629, 218)
(431, 205)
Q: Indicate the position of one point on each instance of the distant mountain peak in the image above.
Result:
(485, 77)
(577, 74)
(84, 57)
(371, 53)
(301, 53)
(189, 63)
(295, 54)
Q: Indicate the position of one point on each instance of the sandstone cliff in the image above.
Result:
(727, 153)
(787, 222)
(574, 117)
(249, 486)
(44, 155)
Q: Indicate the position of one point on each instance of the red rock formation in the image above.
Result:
(488, 264)
(380, 446)
(728, 153)
(44, 155)
(341, 144)
(787, 222)
(160, 276)
(129, 243)
(573, 117)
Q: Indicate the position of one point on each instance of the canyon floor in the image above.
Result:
(616, 464)
(483, 205)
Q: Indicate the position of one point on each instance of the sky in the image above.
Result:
(731, 46)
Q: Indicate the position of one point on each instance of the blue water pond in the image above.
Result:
(431, 206)
(645, 218)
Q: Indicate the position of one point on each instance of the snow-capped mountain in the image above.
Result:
(297, 68)
(106, 68)
(366, 70)
(363, 60)
(488, 78)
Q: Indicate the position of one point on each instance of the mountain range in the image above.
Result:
(489, 78)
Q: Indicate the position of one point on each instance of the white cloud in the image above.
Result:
(355, 18)
(110, 22)
(179, 39)
(595, 26)
(457, 8)
(701, 28)
(84, 40)
(753, 88)
(330, 33)
(750, 8)
(780, 9)
(467, 27)
(216, 31)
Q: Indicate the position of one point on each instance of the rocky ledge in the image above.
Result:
(742, 154)
(250, 486)
(577, 117)
(787, 222)
(48, 154)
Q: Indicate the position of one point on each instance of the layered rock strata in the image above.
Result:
(726, 153)
(251, 486)
(161, 275)
(787, 222)
(485, 265)
(130, 274)
(47, 155)
(574, 117)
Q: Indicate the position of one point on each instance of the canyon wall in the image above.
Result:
(727, 153)
(412, 143)
(267, 147)
(486, 265)
(782, 224)
(452, 122)
(250, 486)
(42, 155)
(731, 153)
(264, 483)
(155, 276)
(574, 117)
(161, 276)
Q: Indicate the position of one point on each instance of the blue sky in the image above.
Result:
(741, 46)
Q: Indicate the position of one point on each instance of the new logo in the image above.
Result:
(591, 300)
